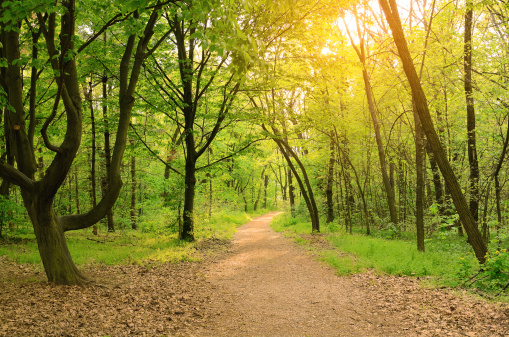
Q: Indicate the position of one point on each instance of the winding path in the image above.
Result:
(267, 286)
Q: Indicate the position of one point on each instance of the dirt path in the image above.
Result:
(273, 288)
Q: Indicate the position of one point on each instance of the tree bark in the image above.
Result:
(469, 96)
(437, 182)
(89, 96)
(419, 182)
(389, 7)
(265, 185)
(291, 193)
(107, 147)
(134, 183)
(330, 180)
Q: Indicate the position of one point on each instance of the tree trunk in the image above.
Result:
(469, 95)
(437, 182)
(93, 187)
(291, 193)
(389, 7)
(255, 207)
(133, 189)
(330, 180)
(389, 192)
(55, 255)
(419, 182)
(107, 149)
(187, 231)
(265, 185)
(77, 190)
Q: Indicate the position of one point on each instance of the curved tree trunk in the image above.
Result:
(55, 255)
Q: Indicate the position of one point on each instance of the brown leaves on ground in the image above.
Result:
(433, 312)
(126, 300)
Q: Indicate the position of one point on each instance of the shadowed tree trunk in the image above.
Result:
(89, 97)
(133, 188)
(107, 147)
(437, 182)
(291, 193)
(265, 185)
(304, 184)
(255, 207)
(419, 182)
(469, 95)
(330, 180)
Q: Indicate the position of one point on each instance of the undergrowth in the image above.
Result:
(448, 260)
(152, 242)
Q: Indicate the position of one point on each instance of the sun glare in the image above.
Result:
(326, 51)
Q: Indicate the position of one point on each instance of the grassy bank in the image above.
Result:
(447, 260)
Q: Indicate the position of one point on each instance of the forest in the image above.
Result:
(381, 127)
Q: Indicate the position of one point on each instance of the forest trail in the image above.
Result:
(268, 286)
(273, 288)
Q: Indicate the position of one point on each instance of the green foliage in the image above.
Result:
(129, 247)
(447, 261)
(9, 212)
(494, 273)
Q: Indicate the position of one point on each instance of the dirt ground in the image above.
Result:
(259, 285)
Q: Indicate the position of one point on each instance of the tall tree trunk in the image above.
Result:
(187, 231)
(265, 185)
(89, 97)
(419, 181)
(77, 189)
(291, 193)
(133, 188)
(497, 181)
(469, 95)
(107, 147)
(304, 184)
(330, 181)
(389, 7)
(255, 207)
(437, 182)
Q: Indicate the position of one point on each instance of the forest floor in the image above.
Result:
(261, 284)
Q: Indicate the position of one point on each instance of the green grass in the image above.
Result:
(128, 246)
(446, 260)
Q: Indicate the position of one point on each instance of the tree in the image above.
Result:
(390, 10)
(469, 96)
(361, 53)
(58, 24)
